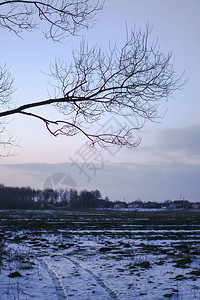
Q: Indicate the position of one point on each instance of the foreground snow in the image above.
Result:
(127, 262)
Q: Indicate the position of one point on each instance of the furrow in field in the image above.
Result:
(60, 291)
(112, 294)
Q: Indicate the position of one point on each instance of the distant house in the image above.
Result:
(152, 205)
(196, 205)
(178, 204)
(183, 204)
(135, 205)
(120, 204)
(171, 206)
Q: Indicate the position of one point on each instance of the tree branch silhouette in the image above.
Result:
(127, 83)
(61, 17)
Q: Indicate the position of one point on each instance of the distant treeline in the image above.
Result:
(28, 198)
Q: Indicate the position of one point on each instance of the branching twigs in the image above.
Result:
(6, 90)
(61, 16)
(6, 87)
(126, 83)
(6, 142)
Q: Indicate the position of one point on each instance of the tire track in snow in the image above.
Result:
(60, 291)
(113, 295)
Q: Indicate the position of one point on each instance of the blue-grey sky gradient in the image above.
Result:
(167, 163)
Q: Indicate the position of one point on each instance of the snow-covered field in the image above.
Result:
(51, 255)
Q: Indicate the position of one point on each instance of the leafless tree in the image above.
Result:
(126, 83)
(61, 17)
(7, 141)
(6, 87)
(6, 91)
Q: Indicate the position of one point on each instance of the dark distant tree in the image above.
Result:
(86, 200)
(63, 198)
(38, 200)
(127, 82)
(107, 199)
(49, 197)
(96, 194)
(73, 195)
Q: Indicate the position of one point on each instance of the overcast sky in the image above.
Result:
(166, 165)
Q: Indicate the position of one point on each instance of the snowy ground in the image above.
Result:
(99, 255)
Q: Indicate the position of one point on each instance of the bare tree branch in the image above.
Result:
(6, 87)
(126, 83)
(63, 17)
(6, 90)
(60, 18)
(7, 141)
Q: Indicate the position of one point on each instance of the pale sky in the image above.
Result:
(167, 163)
